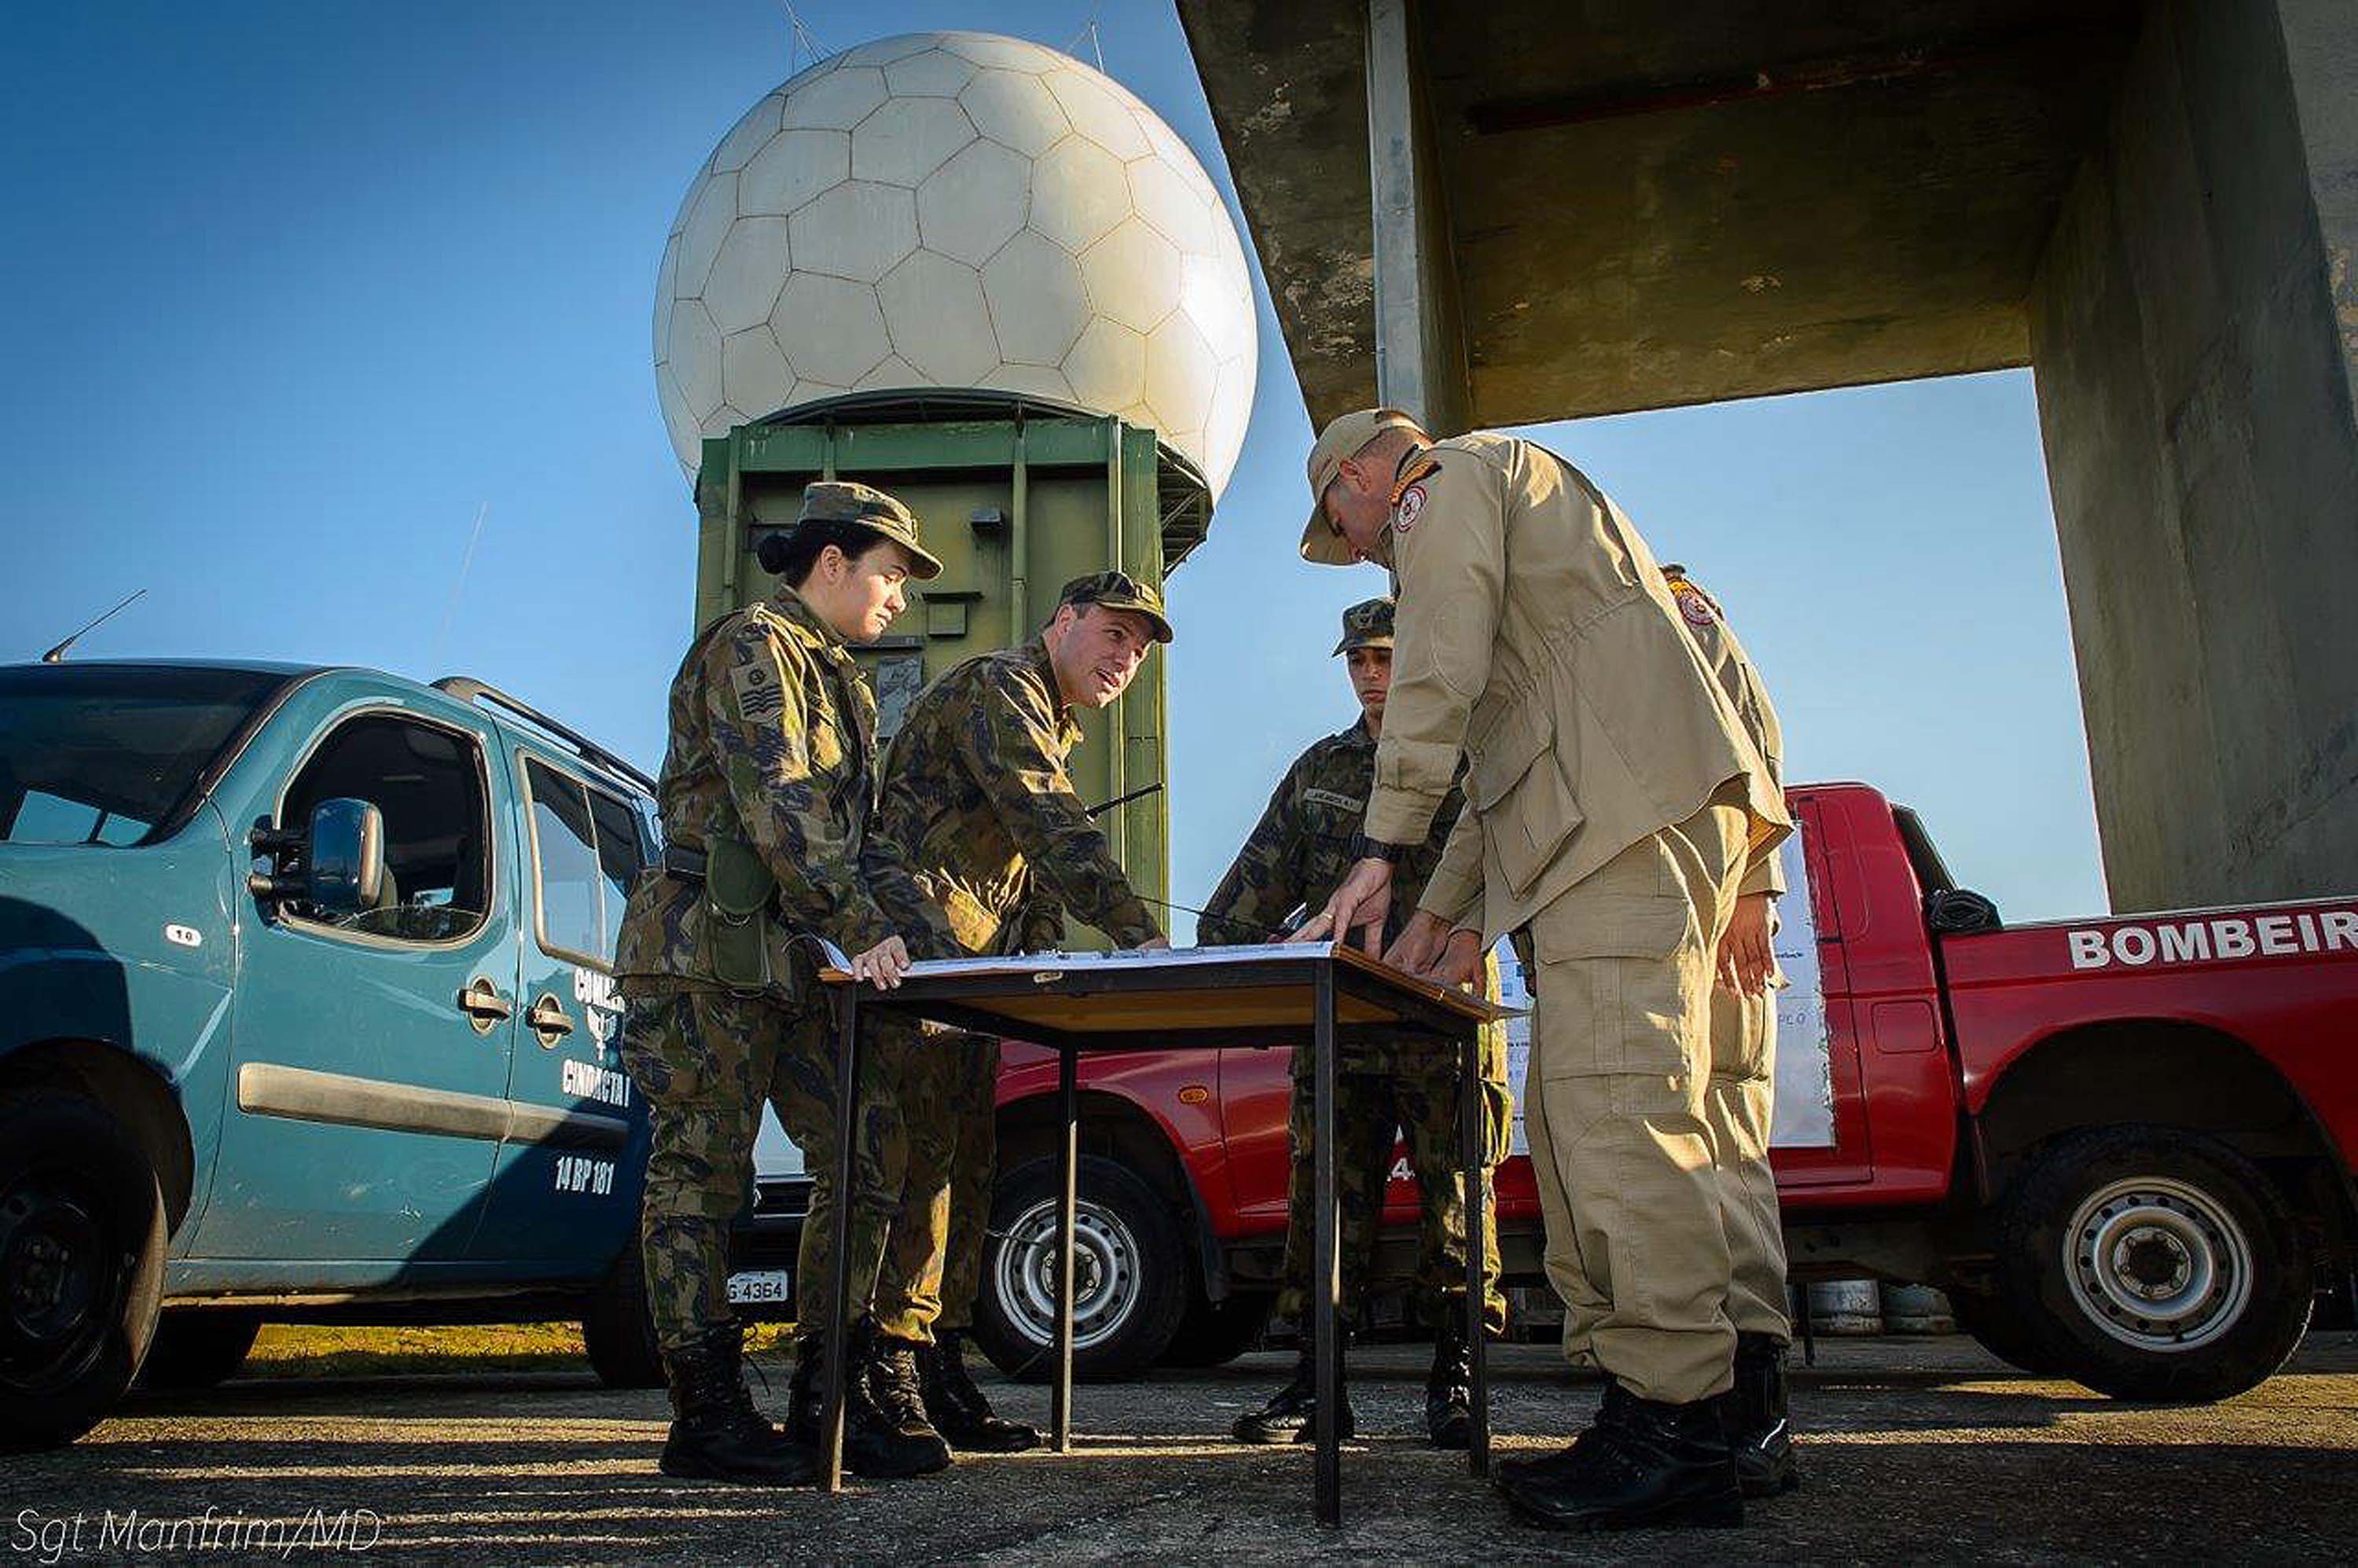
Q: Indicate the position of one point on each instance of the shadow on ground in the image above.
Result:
(1914, 1449)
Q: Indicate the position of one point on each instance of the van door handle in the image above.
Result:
(483, 1006)
(548, 1021)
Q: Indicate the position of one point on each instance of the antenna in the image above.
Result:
(450, 610)
(805, 41)
(1097, 45)
(57, 655)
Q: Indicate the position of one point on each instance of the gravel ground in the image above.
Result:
(1914, 1449)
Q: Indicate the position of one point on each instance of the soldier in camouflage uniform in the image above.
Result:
(981, 818)
(1297, 855)
(768, 781)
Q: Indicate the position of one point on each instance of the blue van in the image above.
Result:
(305, 1014)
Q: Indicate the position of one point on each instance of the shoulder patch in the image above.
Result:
(1694, 603)
(756, 686)
(1335, 798)
(1408, 508)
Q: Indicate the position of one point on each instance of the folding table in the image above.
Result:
(1308, 994)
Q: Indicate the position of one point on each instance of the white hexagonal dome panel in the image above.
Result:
(956, 209)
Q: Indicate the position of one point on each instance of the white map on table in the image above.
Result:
(1042, 966)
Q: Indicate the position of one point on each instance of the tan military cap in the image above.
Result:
(845, 501)
(1345, 434)
(1119, 591)
(1368, 624)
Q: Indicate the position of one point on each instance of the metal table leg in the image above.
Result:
(838, 1322)
(1326, 1487)
(1475, 1148)
(1068, 1107)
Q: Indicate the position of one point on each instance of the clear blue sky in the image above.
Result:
(292, 290)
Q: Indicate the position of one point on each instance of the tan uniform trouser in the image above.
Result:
(1740, 1108)
(1615, 1109)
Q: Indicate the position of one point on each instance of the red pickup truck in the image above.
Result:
(2123, 1145)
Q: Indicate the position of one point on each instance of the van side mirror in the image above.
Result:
(344, 857)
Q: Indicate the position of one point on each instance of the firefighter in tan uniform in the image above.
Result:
(1740, 1103)
(1614, 803)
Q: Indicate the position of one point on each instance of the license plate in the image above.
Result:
(758, 1285)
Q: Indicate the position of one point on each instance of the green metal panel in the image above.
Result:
(1015, 506)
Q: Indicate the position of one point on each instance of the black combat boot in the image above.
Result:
(876, 1444)
(1449, 1387)
(1616, 1402)
(1641, 1463)
(1288, 1416)
(957, 1409)
(1759, 1432)
(716, 1434)
(805, 1392)
(896, 1440)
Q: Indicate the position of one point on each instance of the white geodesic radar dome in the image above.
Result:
(956, 209)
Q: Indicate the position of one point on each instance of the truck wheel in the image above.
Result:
(1213, 1334)
(617, 1331)
(1130, 1274)
(2151, 1263)
(81, 1265)
(198, 1348)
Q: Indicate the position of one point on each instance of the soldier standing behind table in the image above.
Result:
(979, 817)
(1295, 857)
(768, 780)
(1614, 803)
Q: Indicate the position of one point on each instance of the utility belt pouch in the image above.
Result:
(739, 897)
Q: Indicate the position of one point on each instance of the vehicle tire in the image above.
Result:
(617, 1331)
(81, 1265)
(1131, 1278)
(1993, 1326)
(2153, 1264)
(1213, 1334)
(198, 1347)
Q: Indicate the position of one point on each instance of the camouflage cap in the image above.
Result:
(1344, 436)
(1119, 591)
(1368, 624)
(845, 501)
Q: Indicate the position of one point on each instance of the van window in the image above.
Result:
(111, 754)
(428, 784)
(587, 849)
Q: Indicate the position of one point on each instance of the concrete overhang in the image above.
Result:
(1651, 205)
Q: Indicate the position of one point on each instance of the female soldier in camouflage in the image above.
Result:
(767, 784)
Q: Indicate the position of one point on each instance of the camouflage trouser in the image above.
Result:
(1421, 1102)
(933, 1264)
(705, 1060)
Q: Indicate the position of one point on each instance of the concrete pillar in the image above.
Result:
(1420, 341)
(2194, 329)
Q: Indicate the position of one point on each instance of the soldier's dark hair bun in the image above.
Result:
(771, 553)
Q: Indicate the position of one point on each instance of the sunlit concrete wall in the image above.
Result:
(2194, 324)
